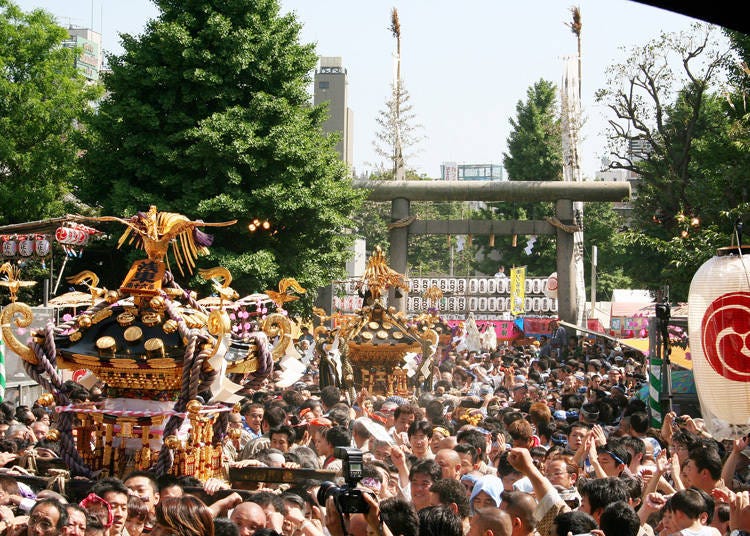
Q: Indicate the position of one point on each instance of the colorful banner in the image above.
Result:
(536, 326)
(518, 291)
(654, 391)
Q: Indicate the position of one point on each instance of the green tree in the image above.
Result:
(534, 144)
(41, 97)
(692, 167)
(208, 114)
(602, 225)
(534, 153)
(662, 112)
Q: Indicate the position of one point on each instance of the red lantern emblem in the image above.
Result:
(79, 374)
(726, 335)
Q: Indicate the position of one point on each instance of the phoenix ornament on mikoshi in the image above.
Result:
(284, 295)
(155, 231)
(13, 280)
(378, 276)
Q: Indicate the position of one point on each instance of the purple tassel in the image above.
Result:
(202, 239)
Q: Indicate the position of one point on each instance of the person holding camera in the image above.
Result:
(350, 509)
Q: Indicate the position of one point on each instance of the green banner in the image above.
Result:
(2, 371)
(654, 391)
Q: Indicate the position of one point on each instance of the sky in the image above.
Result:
(466, 65)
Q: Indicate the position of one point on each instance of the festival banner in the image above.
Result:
(518, 291)
(507, 330)
(654, 391)
(536, 326)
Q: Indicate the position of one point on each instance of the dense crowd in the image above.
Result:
(550, 438)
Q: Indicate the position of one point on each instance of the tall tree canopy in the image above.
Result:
(208, 114)
(534, 153)
(667, 101)
(534, 146)
(41, 96)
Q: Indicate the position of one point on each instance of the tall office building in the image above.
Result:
(331, 86)
(89, 62)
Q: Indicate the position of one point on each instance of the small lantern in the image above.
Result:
(550, 286)
(10, 248)
(26, 247)
(41, 246)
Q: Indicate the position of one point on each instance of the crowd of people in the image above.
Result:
(549, 438)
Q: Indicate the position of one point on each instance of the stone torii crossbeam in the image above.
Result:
(564, 194)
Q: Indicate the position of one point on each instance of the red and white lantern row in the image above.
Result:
(25, 246)
(72, 237)
(74, 234)
(719, 326)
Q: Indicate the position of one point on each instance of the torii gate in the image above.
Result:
(401, 193)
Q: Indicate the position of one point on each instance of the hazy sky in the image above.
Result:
(466, 65)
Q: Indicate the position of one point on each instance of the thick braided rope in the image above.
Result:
(554, 222)
(168, 281)
(68, 451)
(166, 459)
(35, 375)
(195, 368)
(65, 326)
(49, 345)
(403, 222)
(172, 311)
(220, 427)
(44, 366)
(265, 361)
(204, 379)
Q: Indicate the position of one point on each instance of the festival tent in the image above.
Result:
(678, 356)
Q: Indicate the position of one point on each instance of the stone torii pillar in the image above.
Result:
(401, 193)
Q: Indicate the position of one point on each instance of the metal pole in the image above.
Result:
(59, 276)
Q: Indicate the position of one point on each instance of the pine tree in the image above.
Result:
(208, 114)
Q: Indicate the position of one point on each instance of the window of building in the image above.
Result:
(323, 85)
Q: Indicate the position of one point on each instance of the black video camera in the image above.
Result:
(347, 498)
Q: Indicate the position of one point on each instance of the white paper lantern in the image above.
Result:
(41, 246)
(719, 327)
(26, 247)
(550, 287)
(10, 248)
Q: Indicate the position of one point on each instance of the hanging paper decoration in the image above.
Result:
(719, 327)
(26, 247)
(550, 287)
(71, 237)
(41, 246)
(10, 247)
